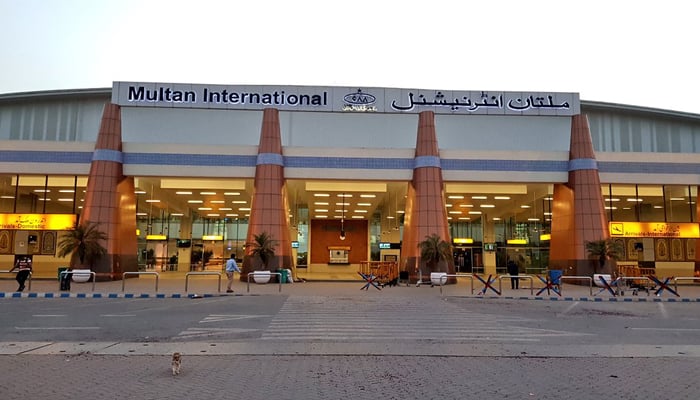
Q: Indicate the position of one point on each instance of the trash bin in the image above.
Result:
(61, 269)
(555, 276)
(284, 275)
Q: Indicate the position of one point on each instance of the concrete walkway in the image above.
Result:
(176, 286)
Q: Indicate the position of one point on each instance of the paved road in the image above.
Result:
(364, 346)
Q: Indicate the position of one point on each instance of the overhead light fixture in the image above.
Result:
(342, 222)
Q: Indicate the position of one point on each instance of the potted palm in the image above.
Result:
(84, 245)
(262, 247)
(433, 251)
(602, 250)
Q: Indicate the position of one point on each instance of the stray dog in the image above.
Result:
(392, 282)
(176, 363)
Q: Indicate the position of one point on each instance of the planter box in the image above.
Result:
(81, 275)
(438, 278)
(261, 276)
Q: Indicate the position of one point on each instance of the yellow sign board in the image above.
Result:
(38, 222)
(655, 229)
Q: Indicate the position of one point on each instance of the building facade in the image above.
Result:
(180, 176)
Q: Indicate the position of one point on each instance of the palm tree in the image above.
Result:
(263, 246)
(433, 250)
(603, 250)
(83, 244)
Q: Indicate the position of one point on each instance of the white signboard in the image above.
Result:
(343, 99)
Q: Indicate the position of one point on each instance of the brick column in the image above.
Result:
(270, 204)
(425, 204)
(578, 211)
(110, 200)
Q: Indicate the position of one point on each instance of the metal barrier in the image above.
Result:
(633, 278)
(29, 278)
(444, 281)
(279, 277)
(577, 278)
(92, 276)
(502, 277)
(187, 277)
(139, 273)
(684, 278)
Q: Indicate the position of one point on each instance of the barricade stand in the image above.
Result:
(502, 277)
(684, 278)
(187, 277)
(608, 286)
(139, 273)
(444, 281)
(549, 285)
(370, 279)
(487, 285)
(279, 277)
(92, 276)
(662, 285)
(29, 278)
(574, 277)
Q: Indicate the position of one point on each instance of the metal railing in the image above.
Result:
(684, 278)
(139, 273)
(268, 274)
(576, 278)
(502, 277)
(92, 276)
(444, 281)
(29, 278)
(187, 278)
(632, 278)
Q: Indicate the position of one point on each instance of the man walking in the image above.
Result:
(24, 267)
(231, 267)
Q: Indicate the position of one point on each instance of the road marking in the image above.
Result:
(664, 313)
(48, 328)
(397, 319)
(203, 332)
(118, 315)
(229, 317)
(48, 315)
(668, 329)
(568, 309)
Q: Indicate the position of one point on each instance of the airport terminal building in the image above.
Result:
(180, 176)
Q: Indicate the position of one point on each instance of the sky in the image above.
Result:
(641, 53)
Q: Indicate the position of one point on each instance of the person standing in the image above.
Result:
(231, 267)
(24, 267)
(513, 271)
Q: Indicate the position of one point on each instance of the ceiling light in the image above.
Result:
(208, 193)
(73, 191)
(487, 206)
(525, 206)
(152, 201)
(244, 209)
(321, 195)
(368, 196)
(180, 192)
(502, 197)
(475, 212)
(195, 201)
(217, 201)
(344, 195)
(139, 192)
(320, 210)
(321, 203)
(364, 204)
(479, 197)
(204, 208)
(225, 209)
(455, 197)
(232, 193)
